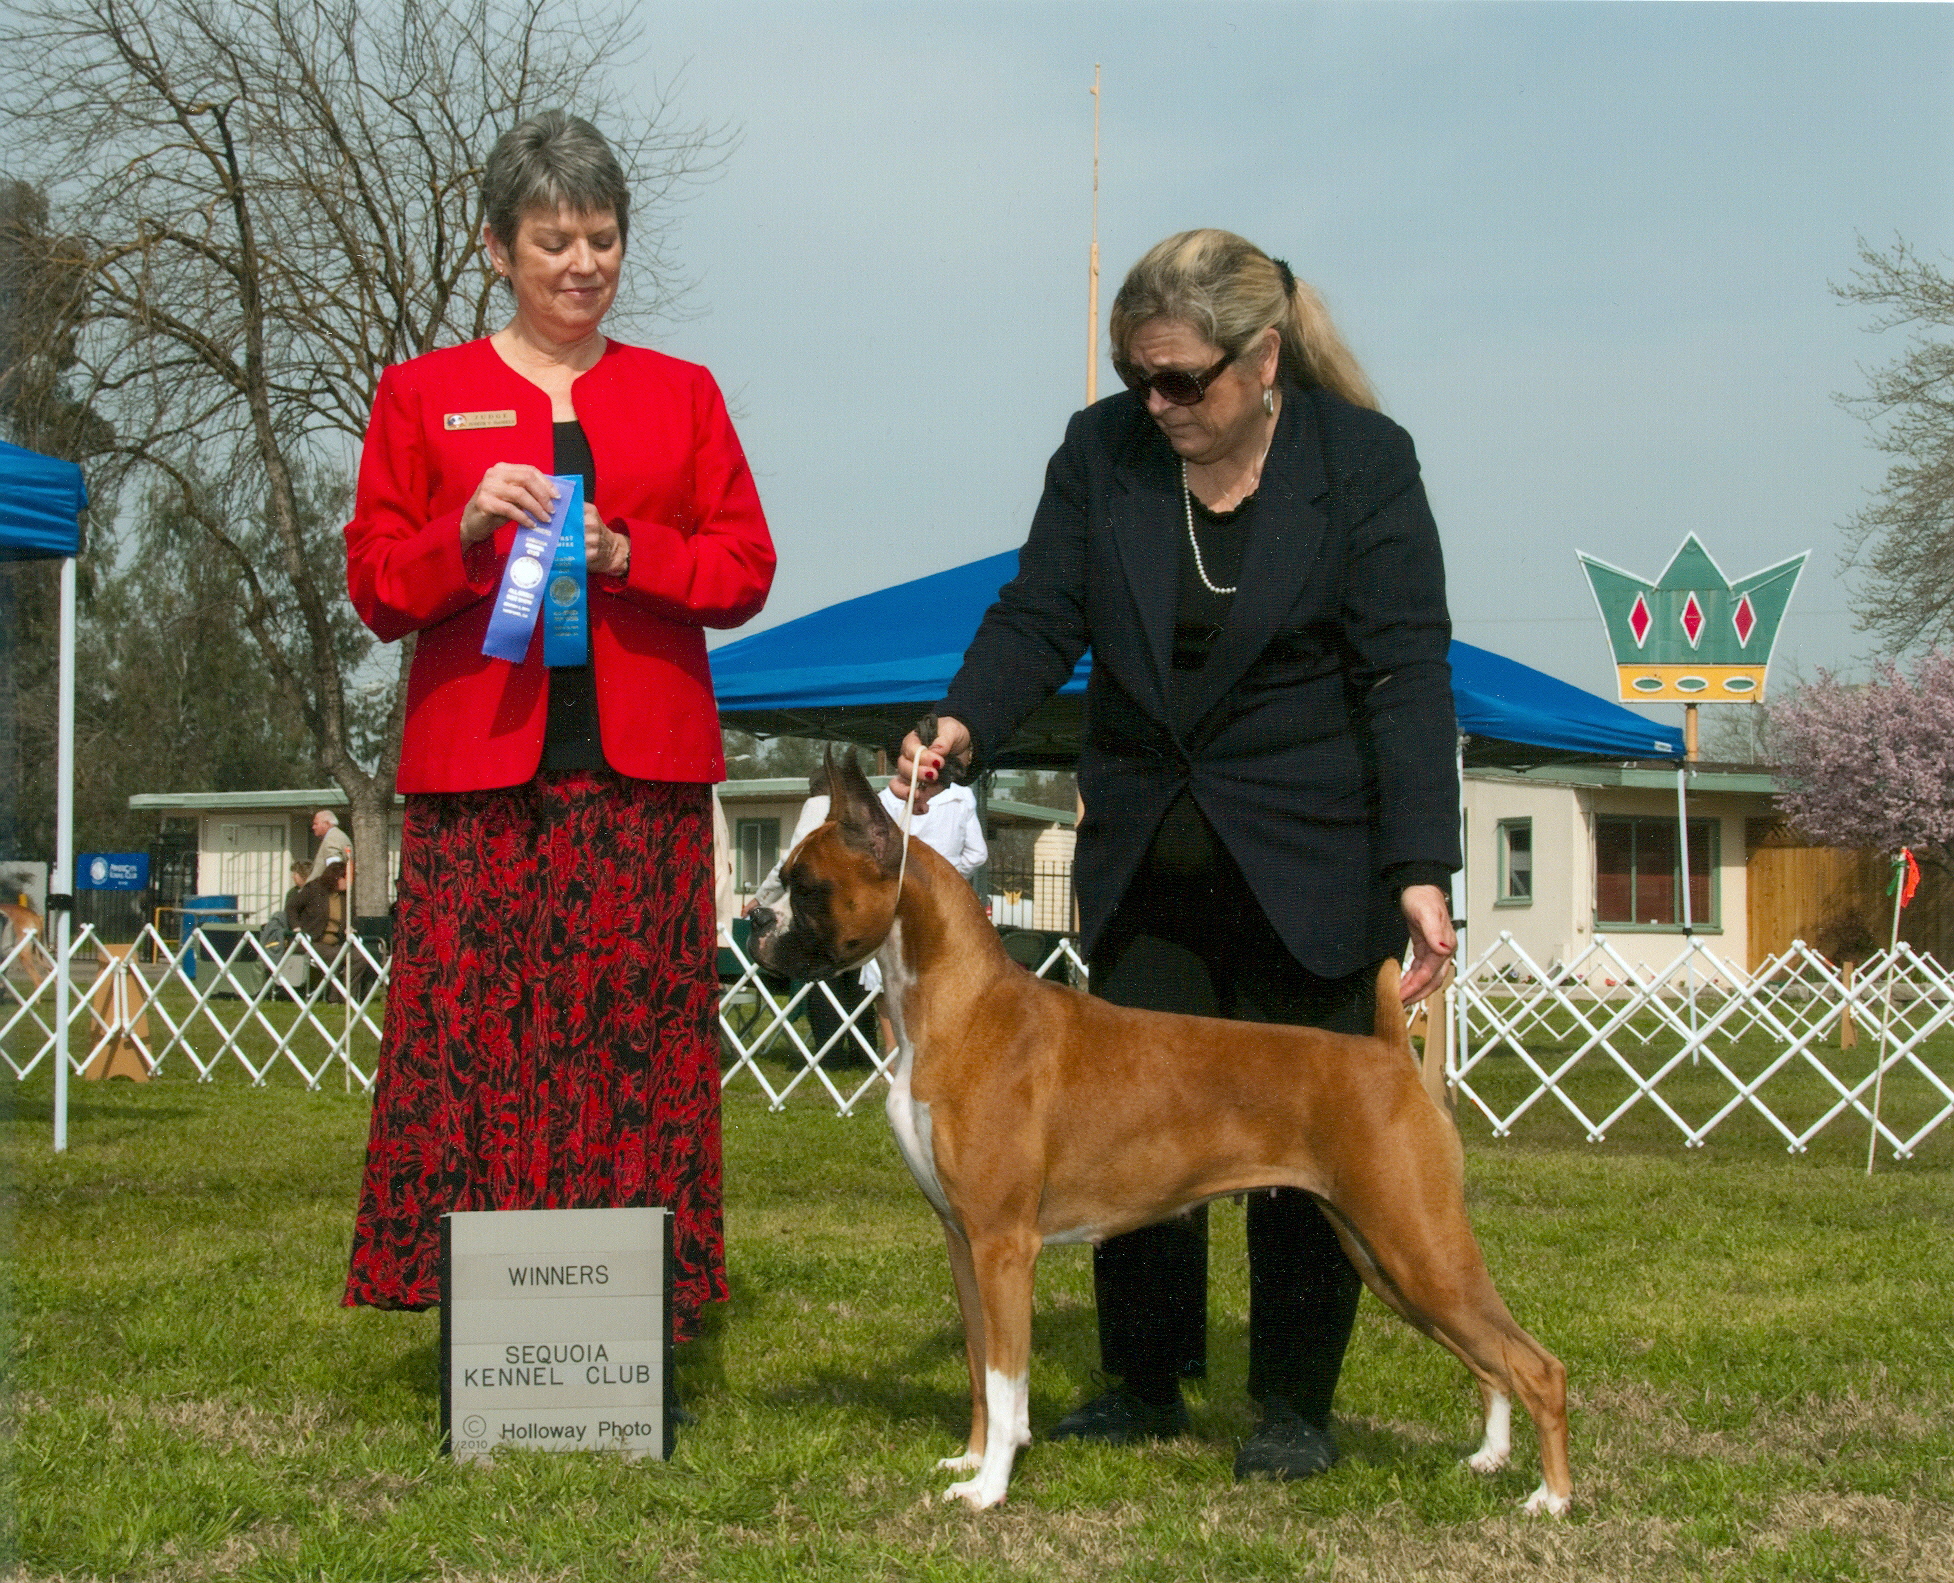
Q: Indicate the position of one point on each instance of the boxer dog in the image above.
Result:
(1031, 1113)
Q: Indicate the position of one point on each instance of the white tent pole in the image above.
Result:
(1461, 899)
(63, 879)
(1689, 922)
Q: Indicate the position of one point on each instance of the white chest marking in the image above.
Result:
(909, 1118)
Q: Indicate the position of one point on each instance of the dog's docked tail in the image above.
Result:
(1390, 1025)
(1394, 1028)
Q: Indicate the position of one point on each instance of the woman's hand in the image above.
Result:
(508, 492)
(606, 553)
(1428, 910)
(927, 761)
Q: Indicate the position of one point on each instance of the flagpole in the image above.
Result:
(1092, 267)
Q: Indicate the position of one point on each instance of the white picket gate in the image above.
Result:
(261, 1007)
(1765, 1042)
(1697, 1040)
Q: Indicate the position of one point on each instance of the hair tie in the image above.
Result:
(1288, 276)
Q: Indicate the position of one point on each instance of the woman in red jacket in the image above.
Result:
(549, 1035)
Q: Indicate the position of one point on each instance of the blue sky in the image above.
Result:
(1584, 250)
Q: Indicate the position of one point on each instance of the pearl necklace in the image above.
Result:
(1187, 499)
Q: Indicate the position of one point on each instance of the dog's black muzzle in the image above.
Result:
(794, 952)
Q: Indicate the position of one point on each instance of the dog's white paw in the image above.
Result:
(1487, 1460)
(1545, 1500)
(969, 1462)
(973, 1491)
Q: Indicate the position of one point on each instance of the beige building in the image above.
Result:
(247, 841)
(1554, 855)
(1559, 854)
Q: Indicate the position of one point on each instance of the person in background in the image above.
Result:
(948, 823)
(1271, 797)
(300, 875)
(823, 1021)
(551, 1036)
(309, 909)
(335, 846)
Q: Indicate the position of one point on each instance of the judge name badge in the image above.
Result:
(504, 419)
(532, 559)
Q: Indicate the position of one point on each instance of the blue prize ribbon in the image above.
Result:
(566, 609)
(520, 597)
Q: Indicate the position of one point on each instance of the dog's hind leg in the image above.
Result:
(1002, 1263)
(1416, 1249)
(1498, 1442)
(968, 1303)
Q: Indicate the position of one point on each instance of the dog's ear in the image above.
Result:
(865, 824)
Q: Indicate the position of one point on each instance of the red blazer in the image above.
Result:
(670, 473)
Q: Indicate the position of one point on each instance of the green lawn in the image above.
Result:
(1760, 1350)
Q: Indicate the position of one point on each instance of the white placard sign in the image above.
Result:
(556, 1331)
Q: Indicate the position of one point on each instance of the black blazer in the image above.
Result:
(1319, 740)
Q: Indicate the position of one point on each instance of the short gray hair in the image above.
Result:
(328, 815)
(552, 161)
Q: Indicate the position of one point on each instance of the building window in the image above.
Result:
(759, 850)
(1637, 874)
(1515, 839)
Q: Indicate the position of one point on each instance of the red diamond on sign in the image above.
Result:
(1744, 619)
(1639, 620)
(1692, 620)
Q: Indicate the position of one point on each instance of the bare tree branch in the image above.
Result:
(266, 203)
(1902, 542)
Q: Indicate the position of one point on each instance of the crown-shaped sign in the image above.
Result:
(1692, 636)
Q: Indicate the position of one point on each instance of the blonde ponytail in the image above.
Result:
(1230, 291)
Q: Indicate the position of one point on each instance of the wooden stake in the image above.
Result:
(124, 1054)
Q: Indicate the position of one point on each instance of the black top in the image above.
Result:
(570, 740)
(1199, 612)
(1318, 737)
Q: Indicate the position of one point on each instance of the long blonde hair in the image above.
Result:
(1230, 291)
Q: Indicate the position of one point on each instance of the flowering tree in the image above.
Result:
(1872, 765)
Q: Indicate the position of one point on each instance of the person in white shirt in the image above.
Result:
(950, 825)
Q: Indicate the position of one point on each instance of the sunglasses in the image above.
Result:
(1176, 385)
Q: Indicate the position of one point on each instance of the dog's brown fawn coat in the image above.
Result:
(1031, 1113)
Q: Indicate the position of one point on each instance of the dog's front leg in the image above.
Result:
(1002, 1264)
(965, 1275)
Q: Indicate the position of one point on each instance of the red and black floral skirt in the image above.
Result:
(550, 1033)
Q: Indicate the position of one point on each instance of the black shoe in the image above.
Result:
(1119, 1418)
(1286, 1446)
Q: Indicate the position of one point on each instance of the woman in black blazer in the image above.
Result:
(1271, 798)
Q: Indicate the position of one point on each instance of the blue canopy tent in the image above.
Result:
(860, 671)
(41, 502)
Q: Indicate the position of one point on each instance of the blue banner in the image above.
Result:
(520, 597)
(112, 871)
(566, 618)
